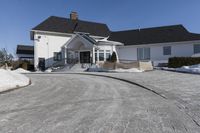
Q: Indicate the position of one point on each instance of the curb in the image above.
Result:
(120, 79)
(15, 88)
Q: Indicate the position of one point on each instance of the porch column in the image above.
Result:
(93, 55)
(65, 58)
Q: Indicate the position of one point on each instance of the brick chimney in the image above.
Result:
(74, 16)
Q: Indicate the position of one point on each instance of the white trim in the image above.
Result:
(68, 34)
(51, 32)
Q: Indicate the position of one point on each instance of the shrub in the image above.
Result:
(113, 57)
(176, 62)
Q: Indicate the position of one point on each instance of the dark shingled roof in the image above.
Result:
(25, 49)
(174, 33)
(65, 25)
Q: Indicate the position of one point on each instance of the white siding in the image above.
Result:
(177, 50)
(181, 49)
(46, 46)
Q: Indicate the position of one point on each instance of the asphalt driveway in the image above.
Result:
(68, 103)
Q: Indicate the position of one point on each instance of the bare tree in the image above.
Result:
(5, 57)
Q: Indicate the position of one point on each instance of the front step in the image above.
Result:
(73, 67)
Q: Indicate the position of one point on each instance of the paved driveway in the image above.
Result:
(181, 89)
(59, 103)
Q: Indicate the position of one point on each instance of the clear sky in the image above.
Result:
(17, 17)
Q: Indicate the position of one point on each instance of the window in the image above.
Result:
(196, 48)
(57, 56)
(108, 55)
(101, 55)
(167, 50)
(143, 53)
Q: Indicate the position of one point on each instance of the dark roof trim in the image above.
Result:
(25, 49)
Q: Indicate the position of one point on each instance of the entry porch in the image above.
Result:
(80, 49)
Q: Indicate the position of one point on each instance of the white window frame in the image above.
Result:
(143, 53)
(196, 51)
(101, 52)
(167, 52)
(57, 56)
(107, 52)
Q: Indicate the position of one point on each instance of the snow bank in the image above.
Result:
(21, 70)
(128, 70)
(97, 69)
(48, 70)
(12, 79)
(190, 69)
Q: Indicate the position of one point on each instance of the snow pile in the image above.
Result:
(189, 69)
(11, 79)
(94, 68)
(128, 70)
(21, 70)
(48, 70)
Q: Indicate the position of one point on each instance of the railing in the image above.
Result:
(72, 60)
(59, 63)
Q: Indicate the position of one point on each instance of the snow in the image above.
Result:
(128, 70)
(188, 69)
(98, 69)
(21, 70)
(48, 70)
(12, 79)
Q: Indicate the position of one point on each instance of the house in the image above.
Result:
(71, 40)
(25, 54)
(156, 44)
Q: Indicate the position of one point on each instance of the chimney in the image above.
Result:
(73, 16)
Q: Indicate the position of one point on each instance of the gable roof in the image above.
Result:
(174, 33)
(25, 49)
(65, 25)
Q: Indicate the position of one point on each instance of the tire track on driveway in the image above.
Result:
(81, 103)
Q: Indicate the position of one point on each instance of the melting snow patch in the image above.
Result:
(189, 69)
(48, 70)
(115, 70)
(128, 70)
(21, 70)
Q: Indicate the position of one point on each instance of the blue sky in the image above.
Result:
(17, 17)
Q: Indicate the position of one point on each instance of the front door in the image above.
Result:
(85, 57)
(41, 64)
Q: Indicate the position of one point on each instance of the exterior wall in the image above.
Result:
(178, 49)
(127, 53)
(45, 45)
